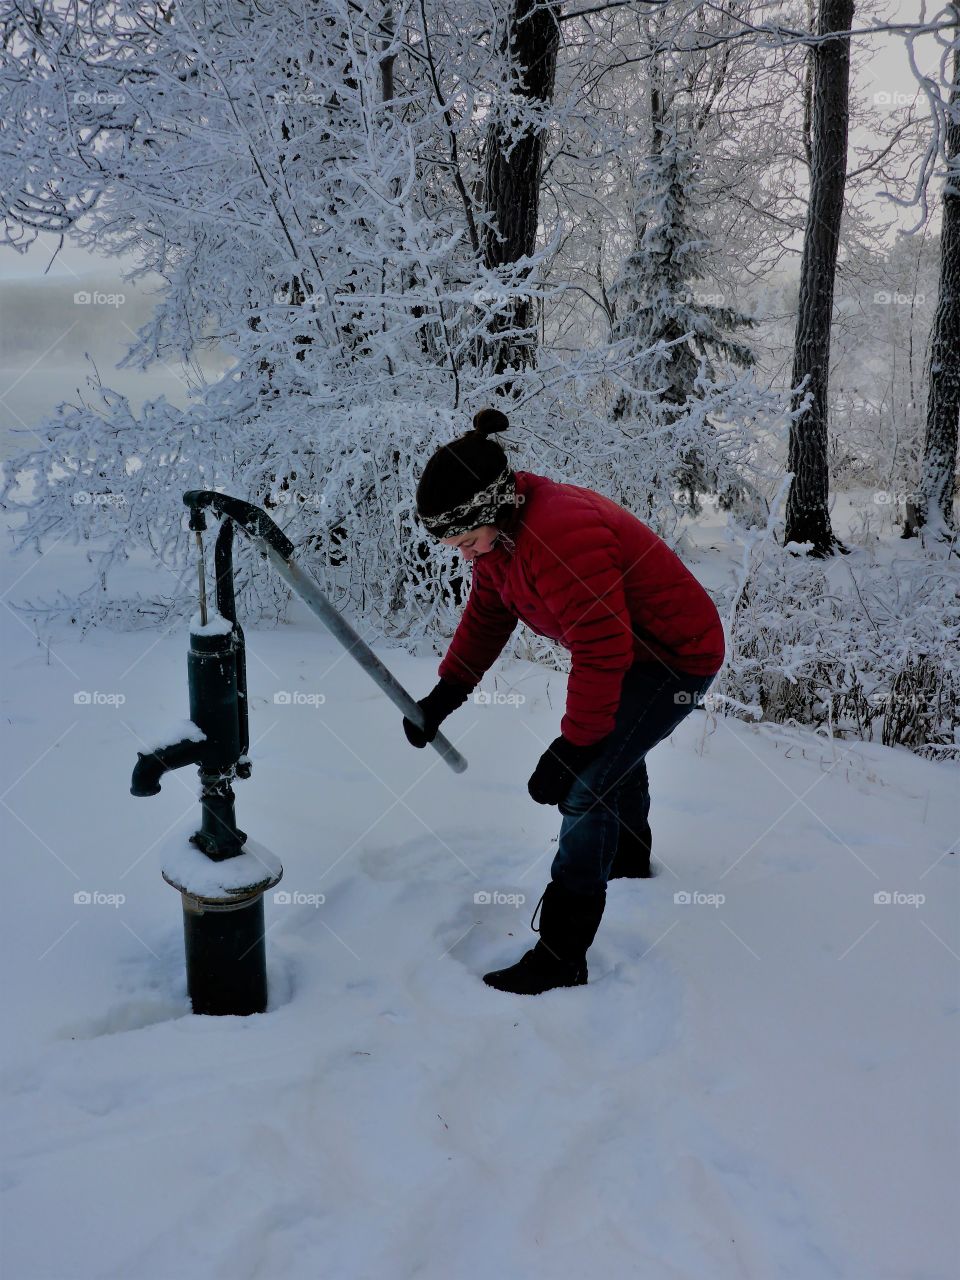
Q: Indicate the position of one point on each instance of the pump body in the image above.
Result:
(223, 931)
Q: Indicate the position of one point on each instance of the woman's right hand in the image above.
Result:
(445, 697)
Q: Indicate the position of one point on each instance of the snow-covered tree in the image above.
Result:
(935, 500)
(686, 334)
(287, 192)
(808, 519)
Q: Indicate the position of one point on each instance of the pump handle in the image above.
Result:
(252, 520)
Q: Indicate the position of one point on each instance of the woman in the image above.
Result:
(645, 639)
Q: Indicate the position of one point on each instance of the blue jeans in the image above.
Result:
(613, 789)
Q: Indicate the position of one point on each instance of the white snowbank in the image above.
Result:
(761, 1087)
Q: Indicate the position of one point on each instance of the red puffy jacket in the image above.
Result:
(587, 573)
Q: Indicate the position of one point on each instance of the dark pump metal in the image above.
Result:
(223, 935)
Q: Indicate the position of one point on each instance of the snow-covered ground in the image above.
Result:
(759, 1082)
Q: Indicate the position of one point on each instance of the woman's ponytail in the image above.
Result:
(489, 422)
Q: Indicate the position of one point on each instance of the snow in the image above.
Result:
(761, 1086)
(184, 866)
(179, 731)
(215, 625)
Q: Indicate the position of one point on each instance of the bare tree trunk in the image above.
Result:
(512, 181)
(388, 27)
(807, 516)
(934, 506)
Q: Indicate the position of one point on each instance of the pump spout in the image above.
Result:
(151, 766)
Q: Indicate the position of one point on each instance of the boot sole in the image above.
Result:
(579, 981)
(646, 874)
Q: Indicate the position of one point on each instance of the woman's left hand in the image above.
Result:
(557, 768)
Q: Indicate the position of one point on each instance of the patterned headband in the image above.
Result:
(480, 509)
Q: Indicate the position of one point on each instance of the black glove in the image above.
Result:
(558, 767)
(445, 697)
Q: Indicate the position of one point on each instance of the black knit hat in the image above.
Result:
(468, 482)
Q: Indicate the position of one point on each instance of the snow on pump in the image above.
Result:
(222, 885)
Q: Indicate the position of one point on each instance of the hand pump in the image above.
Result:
(223, 929)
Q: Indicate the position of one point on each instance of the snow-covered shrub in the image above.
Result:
(864, 649)
(341, 486)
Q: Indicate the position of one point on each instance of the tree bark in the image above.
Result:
(934, 507)
(807, 515)
(512, 172)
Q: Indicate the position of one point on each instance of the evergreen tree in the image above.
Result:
(676, 335)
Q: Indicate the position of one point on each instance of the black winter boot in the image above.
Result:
(568, 925)
(632, 859)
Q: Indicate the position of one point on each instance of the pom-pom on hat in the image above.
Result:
(468, 482)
